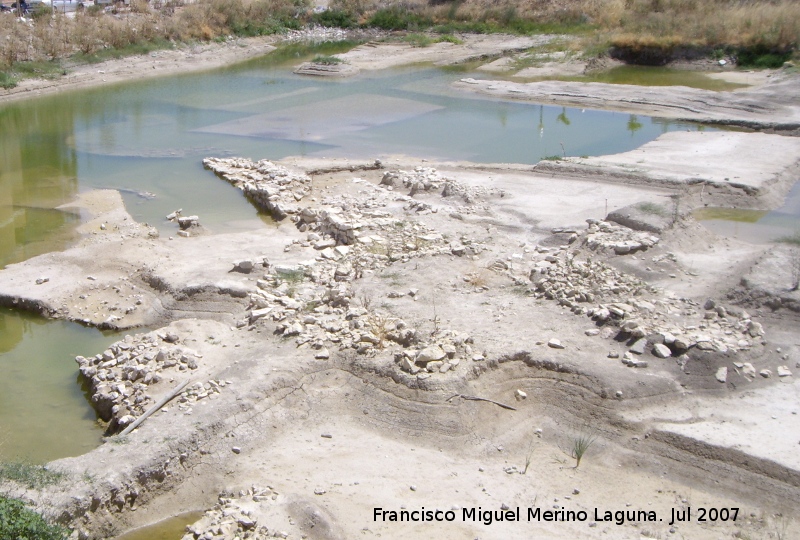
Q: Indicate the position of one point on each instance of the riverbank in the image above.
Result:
(496, 53)
(161, 63)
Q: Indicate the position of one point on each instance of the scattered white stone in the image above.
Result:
(246, 266)
(431, 354)
(661, 351)
(555, 344)
(722, 374)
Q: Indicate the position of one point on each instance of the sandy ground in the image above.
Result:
(741, 160)
(310, 446)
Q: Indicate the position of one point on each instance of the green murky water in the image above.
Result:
(147, 139)
(169, 529)
(44, 413)
(657, 76)
(635, 75)
(755, 226)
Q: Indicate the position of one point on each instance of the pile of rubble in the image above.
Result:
(235, 516)
(420, 179)
(314, 302)
(121, 376)
(575, 283)
(316, 306)
(653, 322)
(271, 187)
(428, 179)
(602, 235)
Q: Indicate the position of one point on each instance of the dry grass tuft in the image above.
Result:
(52, 36)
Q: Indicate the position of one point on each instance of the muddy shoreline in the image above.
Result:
(331, 363)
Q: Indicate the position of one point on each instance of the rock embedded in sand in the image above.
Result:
(430, 354)
(639, 346)
(661, 351)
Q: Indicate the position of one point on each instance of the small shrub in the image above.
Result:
(7, 81)
(449, 38)
(335, 18)
(18, 522)
(760, 57)
(41, 11)
(395, 18)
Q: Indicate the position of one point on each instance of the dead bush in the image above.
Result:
(16, 41)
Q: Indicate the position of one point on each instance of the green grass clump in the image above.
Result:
(449, 38)
(418, 39)
(121, 52)
(652, 209)
(761, 57)
(395, 18)
(7, 81)
(514, 25)
(580, 445)
(40, 69)
(291, 276)
(30, 476)
(18, 522)
(327, 60)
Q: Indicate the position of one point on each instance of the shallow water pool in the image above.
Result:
(169, 529)
(756, 226)
(44, 412)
